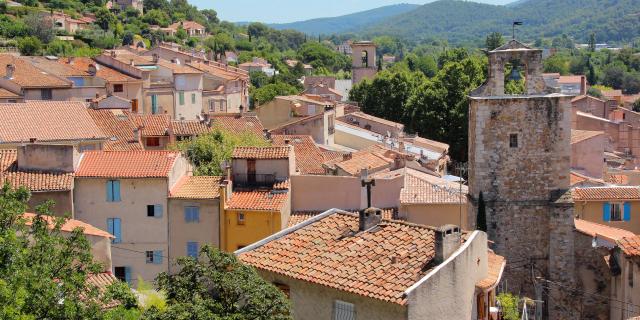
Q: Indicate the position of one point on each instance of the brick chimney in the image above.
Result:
(448, 240)
(9, 72)
(346, 156)
(156, 58)
(369, 218)
(92, 69)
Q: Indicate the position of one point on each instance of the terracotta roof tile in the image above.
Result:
(422, 188)
(69, 225)
(6, 94)
(189, 127)
(380, 264)
(607, 193)
(237, 123)
(593, 229)
(55, 67)
(104, 72)
(186, 25)
(576, 178)
(373, 158)
(495, 269)
(581, 135)
(117, 126)
(126, 164)
(197, 187)
(630, 245)
(28, 76)
(308, 156)
(47, 121)
(153, 125)
(362, 115)
(301, 216)
(278, 152)
(35, 181)
(570, 79)
(263, 200)
(227, 73)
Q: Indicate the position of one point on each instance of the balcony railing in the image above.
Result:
(254, 180)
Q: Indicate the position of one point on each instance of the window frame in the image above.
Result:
(118, 86)
(513, 140)
(241, 218)
(114, 190)
(149, 255)
(181, 98)
(46, 94)
(114, 227)
(193, 98)
(156, 141)
(343, 310)
(191, 214)
(190, 244)
(616, 215)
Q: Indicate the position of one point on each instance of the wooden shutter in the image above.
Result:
(109, 190)
(116, 191)
(157, 257)
(606, 211)
(117, 231)
(627, 212)
(158, 210)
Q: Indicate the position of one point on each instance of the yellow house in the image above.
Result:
(615, 206)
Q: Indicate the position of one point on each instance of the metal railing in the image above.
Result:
(254, 180)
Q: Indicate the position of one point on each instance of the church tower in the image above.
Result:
(519, 158)
(363, 61)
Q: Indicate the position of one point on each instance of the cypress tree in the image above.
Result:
(481, 219)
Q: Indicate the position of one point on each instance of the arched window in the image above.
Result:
(365, 58)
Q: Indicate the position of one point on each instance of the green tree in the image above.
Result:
(613, 75)
(557, 64)
(105, 19)
(29, 46)
(218, 286)
(267, 93)
(636, 106)
(509, 305)
(592, 42)
(207, 152)
(43, 272)
(59, 48)
(181, 33)
(157, 17)
(494, 40)
(481, 218)
(40, 26)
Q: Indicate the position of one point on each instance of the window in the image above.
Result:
(134, 105)
(114, 227)
(365, 59)
(118, 88)
(192, 249)
(113, 191)
(191, 214)
(12, 101)
(153, 141)
(154, 104)
(241, 218)
(616, 211)
(513, 140)
(154, 257)
(343, 310)
(46, 94)
(154, 210)
(181, 98)
(193, 98)
(123, 274)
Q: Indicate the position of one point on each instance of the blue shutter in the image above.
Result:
(109, 190)
(627, 211)
(117, 231)
(157, 257)
(192, 249)
(127, 275)
(196, 214)
(110, 228)
(606, 211)
(116, 191)
(154, 104)
(157, 210)
(188, 214)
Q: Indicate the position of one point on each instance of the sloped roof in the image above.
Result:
(4, 93)
(104, 72)
(496, 266)
(301, 216)
(153, 125)
(126, 164)
(308, 156)
(276, 152)
(593, 229)
(55, 67)
(607, 193)
(197, 187)
(582, 135)
(422, 188)
(381, 263)
(630, 245)
(69, 225)
(238, 123)
(28, 76)
(47, 121)
(189, 127)
(117, 126)
(261, 200)
(35, 181)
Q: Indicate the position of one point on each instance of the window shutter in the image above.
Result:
(157, 257)
(187, 214)
(117, 227)
(116, 190)
(109, 190)
(196, 214)
(627, 211)
(192, 249)
(110, 228)
(606, 211)
(127, 275)
(158, 210)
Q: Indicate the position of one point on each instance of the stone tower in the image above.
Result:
(519, 158)
(363, 61)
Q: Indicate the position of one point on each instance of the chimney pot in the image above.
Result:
(447, 241)
(369, 218)
(131, 62)
(346, 156)
(287, 141)
(9, 72)
(33, 140)
(156, 58)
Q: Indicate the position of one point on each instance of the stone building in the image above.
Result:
(519, 158)
(363, 63)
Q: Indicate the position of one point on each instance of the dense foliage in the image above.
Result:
(208, 152)
(218, 286)
(43, 272)
(509, 305)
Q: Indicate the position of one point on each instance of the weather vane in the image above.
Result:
(513, 27)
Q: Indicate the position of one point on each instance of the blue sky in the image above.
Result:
(277, 11)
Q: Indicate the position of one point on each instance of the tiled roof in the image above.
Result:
(117, 126)
(301, 216)
(630, 245)
(218, 71)
(237, 123)
(153, 125)
(55, 67)
(28, 76)
(104, 72)
(362, 115)
(309, 158)
(47, 121)
(607, 193)
(380, 264)
(189, 127)
(496, 265)
(126, 164)
(178, 68)
(570, 79)
(197, 187)
(618, 179)
(611, 93)
(261, 153)
(186, 25)
(581, 135)
(101, 282)
(422, 188)
(372, 159)
(69, 225)
(35, 181)
(4, 93)
(593, 229)
(262, 200)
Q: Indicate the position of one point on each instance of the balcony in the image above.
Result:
(254, 180)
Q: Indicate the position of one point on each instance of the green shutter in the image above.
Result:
(181, 96)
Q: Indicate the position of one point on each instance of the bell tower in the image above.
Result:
(363, 61)
(519, 158)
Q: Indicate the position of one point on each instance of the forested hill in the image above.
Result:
(348, 22)
(462, 22)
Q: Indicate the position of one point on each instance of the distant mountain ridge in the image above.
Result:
(346, 23)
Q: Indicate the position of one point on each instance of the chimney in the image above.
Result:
(10, 69)
(267, 134)
(346, 156)
(113, 53)
(369, 218)
(131, 62)
(70, 61)
(156, 58)
(136, 134)
(447, 240)
(241, 108)
(287, 141)
(92, 69)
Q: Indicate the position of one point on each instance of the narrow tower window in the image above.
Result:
(513, 140)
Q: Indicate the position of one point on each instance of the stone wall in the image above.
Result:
(593, 276)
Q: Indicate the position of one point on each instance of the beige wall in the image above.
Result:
(279, 168)
(588, 155)
(592, 211)
(206, 231)
(165, 101)
(139, 232)
(448, 291)
(63, 202)
(593, 106)
(315, 128)
(101, 250)
(435, 214)
(56, 94)
(622, 292)
(313, 301)
(274, 113)
(348, 140)
(375, 126)
(131, 91)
